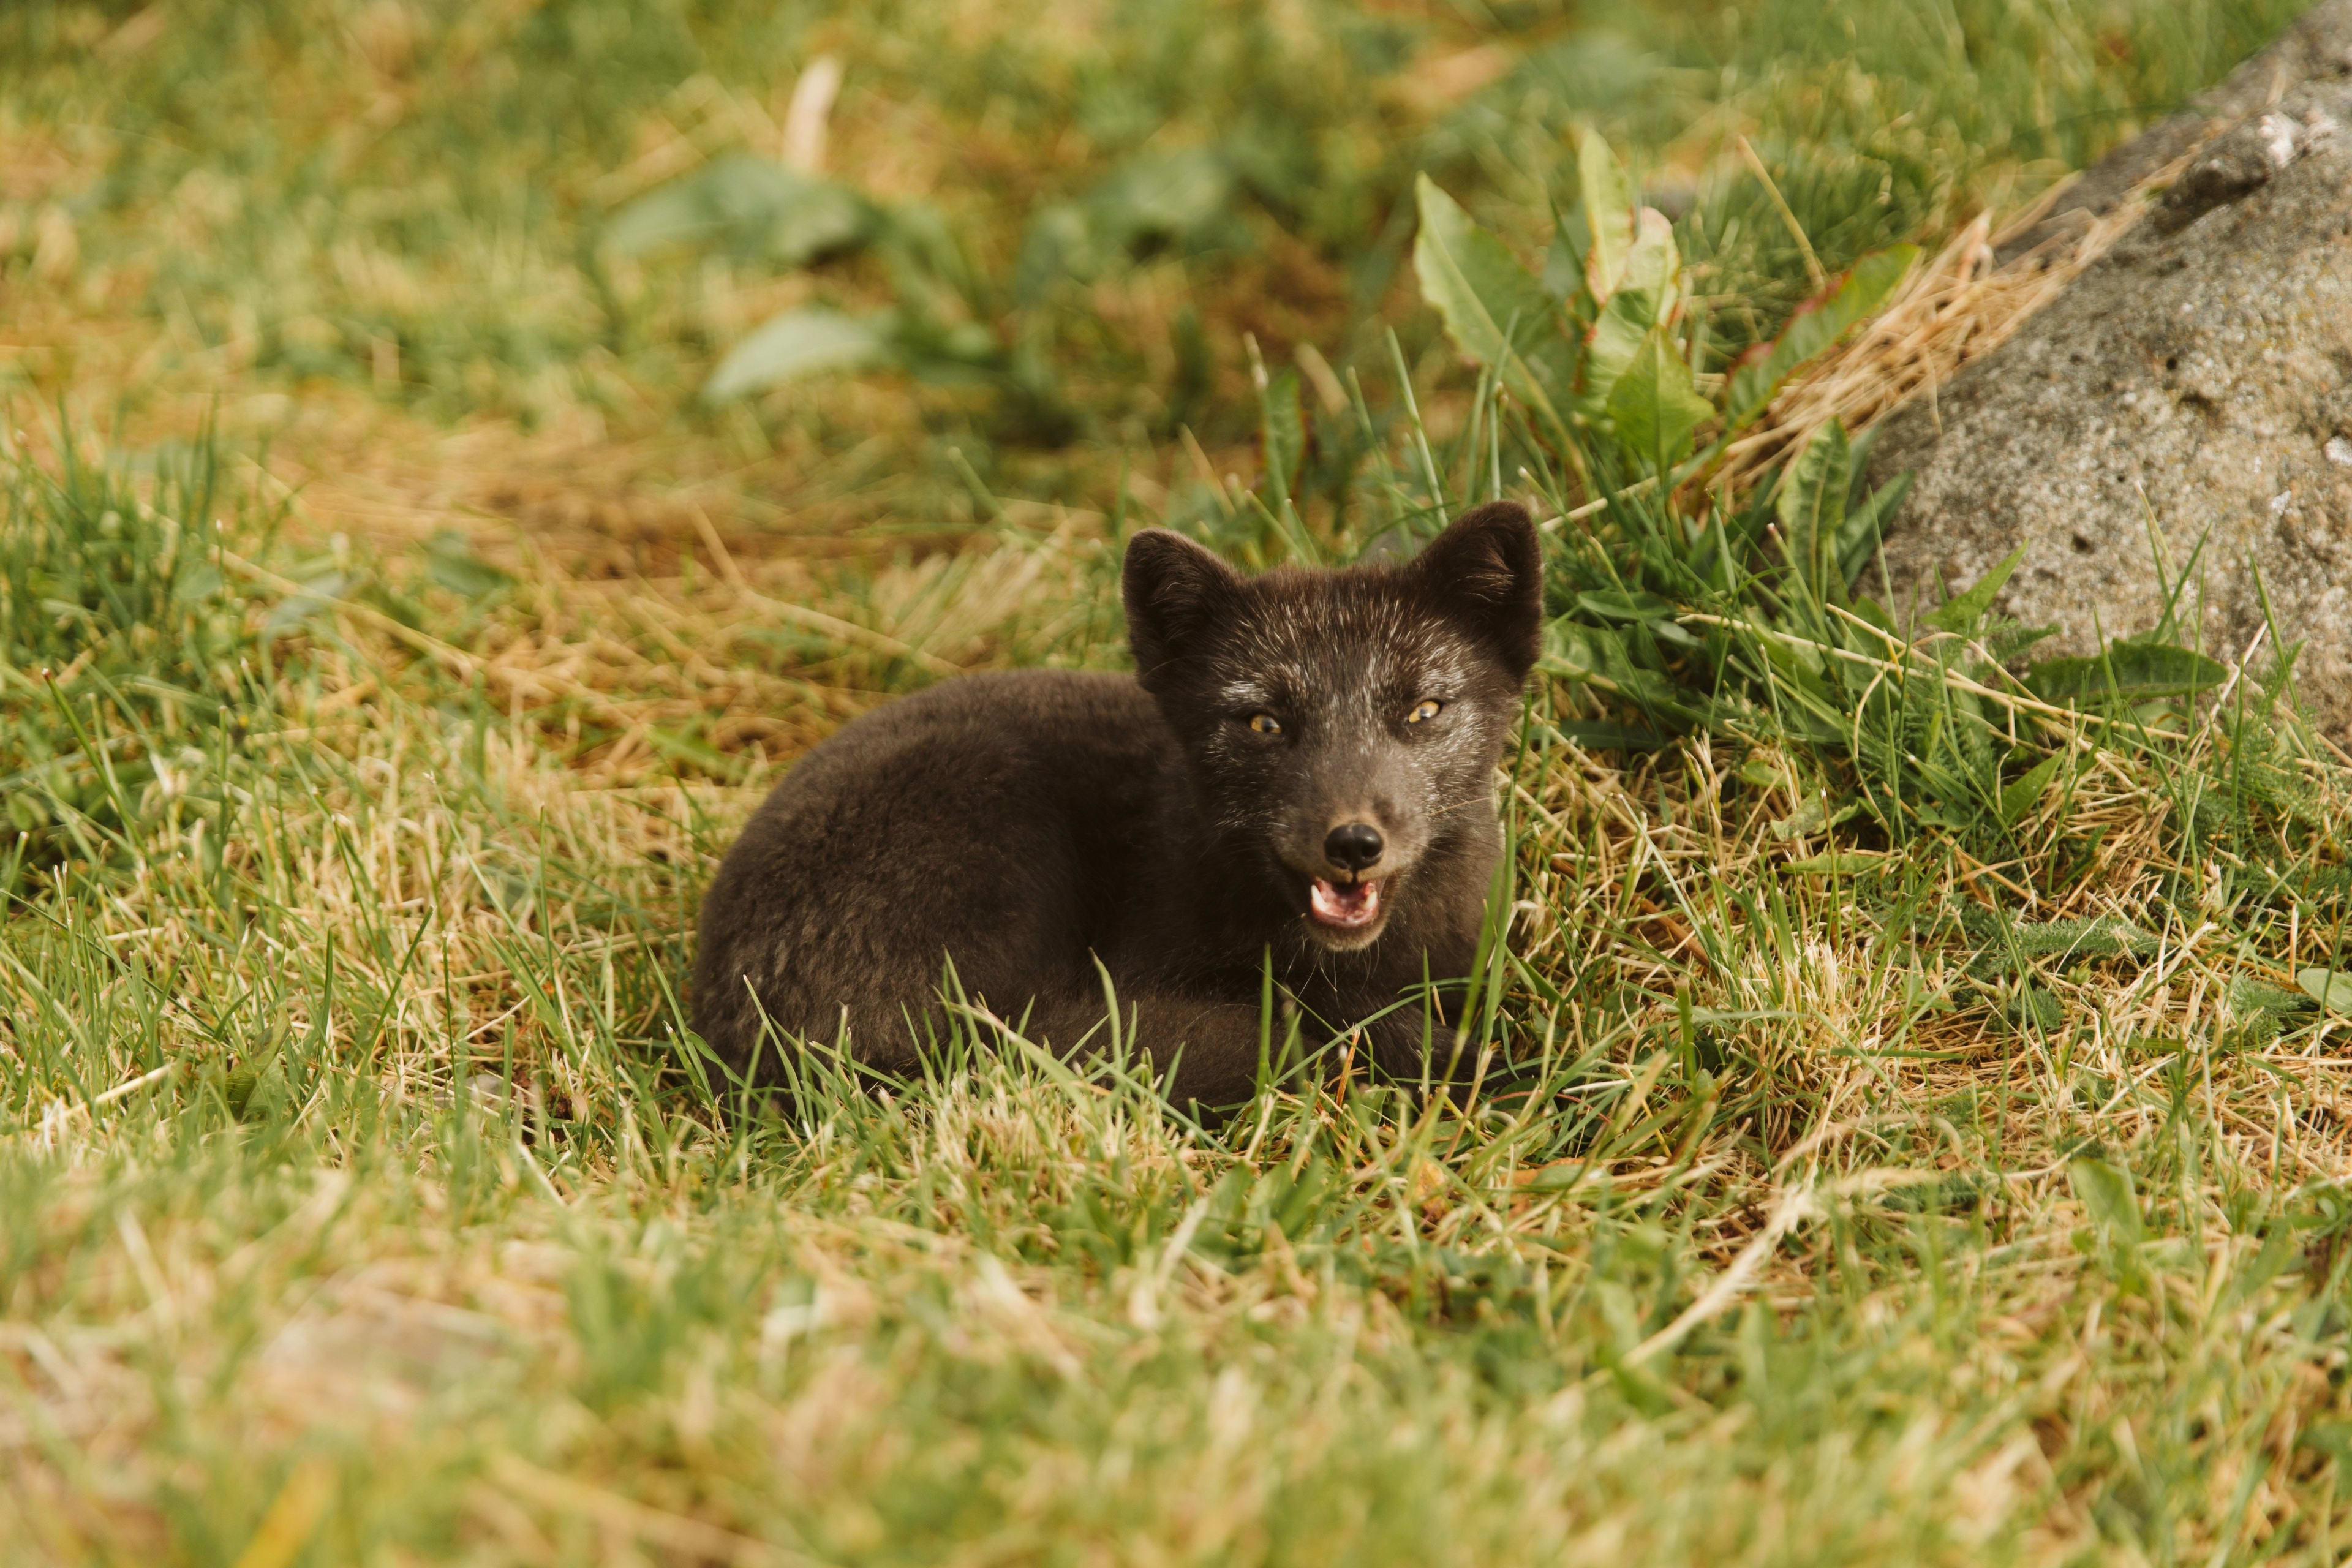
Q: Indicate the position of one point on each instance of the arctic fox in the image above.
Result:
(1300, 775)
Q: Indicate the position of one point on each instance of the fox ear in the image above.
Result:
(1174, 591)
(1486, 570)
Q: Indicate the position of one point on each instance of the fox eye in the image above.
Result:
(1264, 724)
(1426, 708)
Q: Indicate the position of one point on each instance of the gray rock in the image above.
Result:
(2195, 385)
(2317, 47)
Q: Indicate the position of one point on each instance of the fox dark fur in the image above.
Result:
(1303, 766)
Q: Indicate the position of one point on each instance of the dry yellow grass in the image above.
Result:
(1958, 306)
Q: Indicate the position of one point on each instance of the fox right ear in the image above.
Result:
(1174, 590)
(1486, 568)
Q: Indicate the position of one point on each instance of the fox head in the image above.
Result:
(1343, 727)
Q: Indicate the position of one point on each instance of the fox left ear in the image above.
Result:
(1486, 570)
(1174, 591)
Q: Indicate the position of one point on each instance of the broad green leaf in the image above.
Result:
(1801, 661)
(1644, 298)
(2109, 1198)
(1625, 604)
(1573, 649)
(1155, 196)
(2016, 799)
(1606, 198)
(945, 353)
(1563, 263)
(1656, 405)
(1871, 611)
(316, 597)
(1815, 328)
(752, 206)
(1811, 506)
(1612, 346)
(1858, 535)
(2331, 988)
(1813, 816)
(2108, 1195)
(1600, 655)
(1062, 243)
(1492, 307)
(1674, 631)
(2135, 671)
(1165, 196)
(1962, 612)
(666, 214)
(827, 219)
(1652, 613)
(795, 345)
(1654, 267)
(2280, 1246)
(454, 565)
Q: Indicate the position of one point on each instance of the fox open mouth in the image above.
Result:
(1345, 905)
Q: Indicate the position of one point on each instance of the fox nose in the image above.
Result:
(1354, 845)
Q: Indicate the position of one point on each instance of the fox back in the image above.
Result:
(1300, 777)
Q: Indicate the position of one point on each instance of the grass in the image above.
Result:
(1955, 1181)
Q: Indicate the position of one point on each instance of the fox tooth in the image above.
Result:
(1345, 904)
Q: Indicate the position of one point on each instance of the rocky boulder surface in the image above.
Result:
(2194, 385)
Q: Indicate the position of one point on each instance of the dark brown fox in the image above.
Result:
(1300, 775)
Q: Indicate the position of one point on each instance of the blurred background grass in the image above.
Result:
(411, 202)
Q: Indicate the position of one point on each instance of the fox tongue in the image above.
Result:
(1346, 903)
